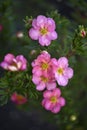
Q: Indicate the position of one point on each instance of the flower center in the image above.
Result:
(53, 99)
(60, 71)
(44, 66)
(20, 98)
(44, 79)
(43, 31)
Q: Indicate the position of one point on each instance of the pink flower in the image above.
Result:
(43, 76)
(61, 71)
(18, 99)
(43, 29)
(44, 81)
(52, 100)
(42, 64)
(13, 63)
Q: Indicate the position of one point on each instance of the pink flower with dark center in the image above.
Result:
(62, 71)
(13, 63)
(52, 100)
(18, 98)
(43, 29)
(44, 81)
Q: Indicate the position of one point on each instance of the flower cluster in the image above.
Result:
(48, 73)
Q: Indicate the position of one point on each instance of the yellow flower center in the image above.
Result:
(44, 66)
(53, 99)
(43, 31)
(60, 71)
(44, 79)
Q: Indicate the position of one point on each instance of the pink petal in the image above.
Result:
(48, 105)
(62, 80)
(4, 65)
(56, 109)
(21, 62)
(51, 85)
(41, 86)
(56, 92)
(62, 101)
(41, 20)
(34, 24)
(37, 71)
(9, 57)
(44, 41)
(36, 79)
(50, 24)
(34, 34)
(69, 72)
(47, 94)
(54, 35)
(63, 62)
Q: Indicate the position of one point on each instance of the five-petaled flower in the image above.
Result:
(44, 81)
(13, 63)
(52, 100)
(43, 29)
(62, 71)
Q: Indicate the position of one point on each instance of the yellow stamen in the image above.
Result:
(60, 71)
(44, 79)
(44, 66)
(43, 31)
(53, 99)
